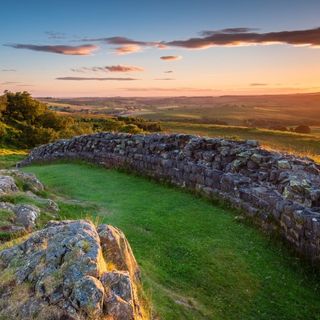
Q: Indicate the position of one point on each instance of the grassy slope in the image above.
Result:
(9, 156)
(197, 260)
(301, 144)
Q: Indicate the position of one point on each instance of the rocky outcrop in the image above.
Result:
(279, 192)
(18, 219)
(68, 271)
(7, 185)
(28, 180)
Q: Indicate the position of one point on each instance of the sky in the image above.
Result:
(159, 48)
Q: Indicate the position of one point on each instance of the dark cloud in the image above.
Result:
(258, 84)
(8, 70)
(82, 50)
(94, 79)
(310, 37)
(170, 58)
(206, 33)
(169, 71)
(55, 35)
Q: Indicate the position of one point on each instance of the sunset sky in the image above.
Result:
(159, 48)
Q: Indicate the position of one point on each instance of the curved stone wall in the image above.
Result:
(279, 192)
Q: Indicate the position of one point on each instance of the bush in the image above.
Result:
(302, 129)
(278, 128)
(131, 128)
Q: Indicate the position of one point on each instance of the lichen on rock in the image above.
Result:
(66, 272)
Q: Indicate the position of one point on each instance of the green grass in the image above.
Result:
(197, 260)
(9, 156)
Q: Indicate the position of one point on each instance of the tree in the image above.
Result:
(21, 107)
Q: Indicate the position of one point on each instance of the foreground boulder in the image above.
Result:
(63, 272)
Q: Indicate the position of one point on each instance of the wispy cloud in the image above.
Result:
(206, 33)
(9, 82)
(171, 58)
(81, 50)
(115, 68)
(8, 70)
(127, 45)
(123, 68)
(55, 35)
(246, 36)
(169, 71)
(178, 89)
(258, 84)
(123, 41)
(165, 79)
(94, 79)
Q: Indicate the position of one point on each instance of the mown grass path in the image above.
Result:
(197, 260)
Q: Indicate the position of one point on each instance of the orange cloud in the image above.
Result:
(165, 79)
(127, 49)
(82, 50)
(171, 58)
(94, 79)
(258, 84)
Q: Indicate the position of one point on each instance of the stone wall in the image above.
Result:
(279, 192)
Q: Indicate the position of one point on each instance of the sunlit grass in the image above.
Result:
(197, 260)
(10, 156)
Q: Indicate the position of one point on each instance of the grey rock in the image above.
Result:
(29, 179)
(88, 296)
(27, 215)
(283, 164)
(7, 185)
(65, 274)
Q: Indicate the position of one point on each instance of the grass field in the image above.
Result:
(288, 109)
(197, 260)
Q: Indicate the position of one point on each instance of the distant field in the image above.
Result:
(235, 110)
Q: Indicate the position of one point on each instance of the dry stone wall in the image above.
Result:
(279, 192)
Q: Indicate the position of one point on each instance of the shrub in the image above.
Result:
(131, 128)
(302, 129)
